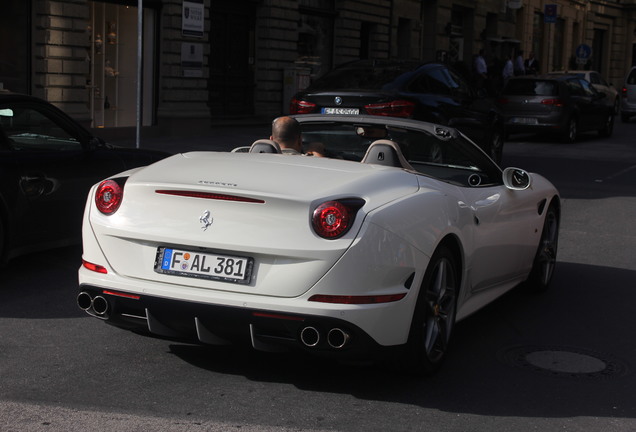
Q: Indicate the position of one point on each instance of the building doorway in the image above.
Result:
(231, 61)
(15, 46)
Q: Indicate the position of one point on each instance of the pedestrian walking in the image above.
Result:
(531, 65)
(481, 70)
(508, 70)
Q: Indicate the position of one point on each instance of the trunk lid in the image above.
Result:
(274, 229)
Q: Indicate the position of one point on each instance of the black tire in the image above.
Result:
(571, 130)
(434, 315)
(545, 258)
(608, 128)
(2, 242)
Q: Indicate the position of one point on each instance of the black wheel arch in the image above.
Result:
(453, 244)
(4, 231)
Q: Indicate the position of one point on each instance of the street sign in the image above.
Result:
(583, 53)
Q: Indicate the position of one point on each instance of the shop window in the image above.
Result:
(113, 59)
(315, 35)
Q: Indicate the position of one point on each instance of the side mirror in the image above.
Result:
(516, 179)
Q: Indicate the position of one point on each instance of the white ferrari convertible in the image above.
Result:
(406, 228)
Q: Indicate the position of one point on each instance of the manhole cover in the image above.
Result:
(563, 361)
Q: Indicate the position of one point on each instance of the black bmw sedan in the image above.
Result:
(48, 162)
(430, 92)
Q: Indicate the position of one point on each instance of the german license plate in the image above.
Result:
(204, 265)
(341, 111)
(524, 120)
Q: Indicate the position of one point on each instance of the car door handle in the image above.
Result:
(34, 185)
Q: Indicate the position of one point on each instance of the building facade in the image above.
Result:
(215, 61)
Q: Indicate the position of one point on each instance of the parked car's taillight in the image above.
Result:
(554, 102)
(108, 196)
(301, 107)
(502, 101)
(398, 108)
(332, 219)
(624, 91)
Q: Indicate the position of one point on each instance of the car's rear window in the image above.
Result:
(530, 87)
(631, 78)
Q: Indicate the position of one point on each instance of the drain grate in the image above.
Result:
(563, 361)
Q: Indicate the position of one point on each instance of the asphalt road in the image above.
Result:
(560, 361)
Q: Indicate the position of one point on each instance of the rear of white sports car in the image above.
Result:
(269, 250)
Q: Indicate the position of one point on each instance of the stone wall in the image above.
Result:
(60, 63)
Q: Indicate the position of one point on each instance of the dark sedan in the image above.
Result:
(48, 162)
(422, 91)
(566, 105)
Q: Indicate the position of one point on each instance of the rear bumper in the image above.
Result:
(542, 125)
(210, 324)
(628, 107)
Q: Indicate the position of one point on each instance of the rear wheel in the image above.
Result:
(434, 316)
(571, 131)
(608, 127)
(545, 259)
(1, 242)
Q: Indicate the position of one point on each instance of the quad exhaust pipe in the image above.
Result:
(84, 300)
(97, 305)
(337, 338)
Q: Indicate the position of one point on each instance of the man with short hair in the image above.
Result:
(286, 132)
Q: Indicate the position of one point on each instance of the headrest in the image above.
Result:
(265, 146)
(386, 152)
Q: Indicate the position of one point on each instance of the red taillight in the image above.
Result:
(553, 102)
(502, 101)
(322, 298)
(624, 91)
(398, 108)
(301, 107)
(108, 197)
(209, 195)
(94, 267)
(332, 219)
(121, 294)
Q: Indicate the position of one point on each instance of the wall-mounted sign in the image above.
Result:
(583, 54)
(192, 59)
(515, 4)
(550, 14)
(193, 18)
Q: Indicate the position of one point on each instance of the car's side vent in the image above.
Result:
(409, 281)
(541, 206)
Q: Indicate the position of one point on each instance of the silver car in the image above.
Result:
(628, 93)
(562, 104)
(612, 96)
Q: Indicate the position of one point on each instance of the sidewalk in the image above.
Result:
(216, 138)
